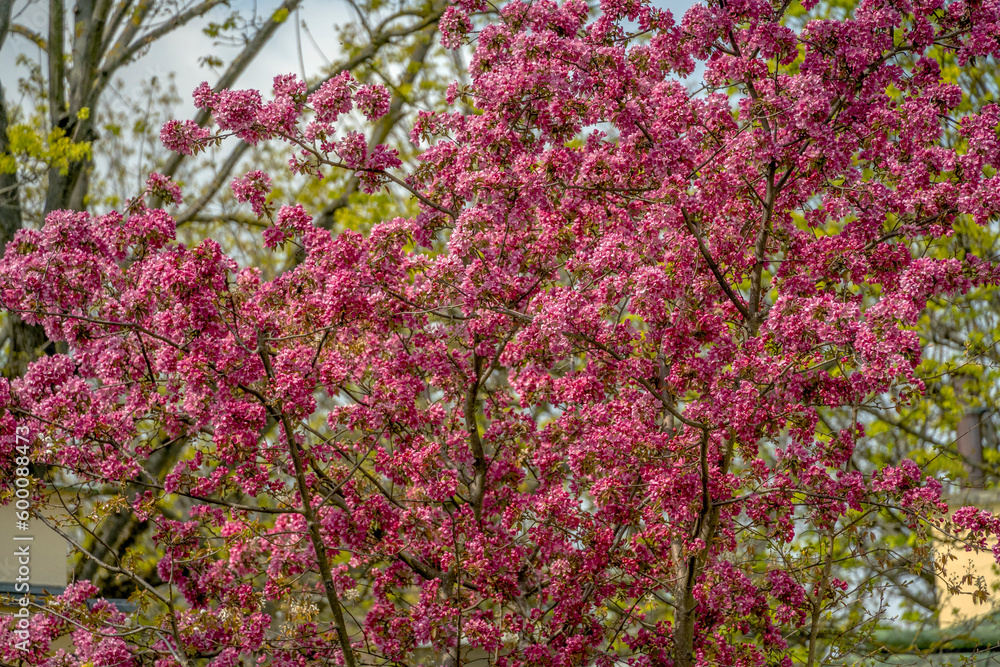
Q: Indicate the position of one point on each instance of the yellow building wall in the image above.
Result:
(965, 572)
(47, 551)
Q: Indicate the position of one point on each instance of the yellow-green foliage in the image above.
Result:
(29, 142)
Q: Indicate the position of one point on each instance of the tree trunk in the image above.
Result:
(10, 204)
(684, 617)
(25, 340)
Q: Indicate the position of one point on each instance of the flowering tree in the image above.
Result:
(569, 413)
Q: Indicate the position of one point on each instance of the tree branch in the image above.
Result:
(714, 267)
(322, 561)
(123, 51)
(235, 69)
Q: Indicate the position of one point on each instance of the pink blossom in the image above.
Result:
(252, 187)
(372, 101)
(333, 98)
(290, 222)
(353, 150)
(184, 137)
(204, 97)
(164, 188)
(454, 26)
(289, 85)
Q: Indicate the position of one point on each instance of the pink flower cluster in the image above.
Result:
(290, 222)
(253, 187)
(332, 99)
(454, 26)
(184, 137)
(245, 114)
(160, 186)
(372, 101)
